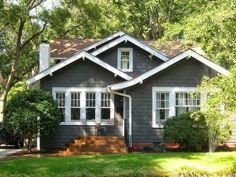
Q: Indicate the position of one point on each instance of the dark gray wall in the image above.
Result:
(65, 134)
(186, 73)
(142, 62)
(81, 74)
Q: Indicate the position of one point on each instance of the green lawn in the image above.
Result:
(163, 164)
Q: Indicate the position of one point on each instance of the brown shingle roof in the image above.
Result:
(65, 48)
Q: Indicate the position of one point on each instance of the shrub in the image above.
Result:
(30, 111)
(188, 131)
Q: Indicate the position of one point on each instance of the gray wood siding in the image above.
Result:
(186, 73)
(142, 60)
(65, 134)
(80, 74)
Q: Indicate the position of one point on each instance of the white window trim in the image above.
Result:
(172, 100)
(83, 92)
(130, 50)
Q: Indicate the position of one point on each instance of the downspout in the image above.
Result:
(130, 114)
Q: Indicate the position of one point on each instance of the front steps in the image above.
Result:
(96, 145)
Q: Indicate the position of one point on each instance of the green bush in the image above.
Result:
(23, 110)
(188, 131)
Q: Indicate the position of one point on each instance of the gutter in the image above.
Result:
(130, 114)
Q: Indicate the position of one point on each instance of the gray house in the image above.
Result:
(124, 85)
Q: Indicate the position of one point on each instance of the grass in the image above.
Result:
(145, 164)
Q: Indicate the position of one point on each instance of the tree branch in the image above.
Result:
(34, 36)
(4, 27)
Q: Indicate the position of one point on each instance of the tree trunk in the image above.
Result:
(2, 104)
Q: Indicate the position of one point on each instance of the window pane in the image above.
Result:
(90, 99)
(162, 107)
(187, 102)
(75, 113)
(90, 113)
(125, 58)
(105, 113)
(106, 100)
(60, 99)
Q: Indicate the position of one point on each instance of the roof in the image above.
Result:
(66, 48)
(82, 55)
(187, 53)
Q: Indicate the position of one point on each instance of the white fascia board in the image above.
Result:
(134, 41)
(107, 66)
(208, 63)
(188, 53)
(93, 46)
(54, 68)
(78, 56)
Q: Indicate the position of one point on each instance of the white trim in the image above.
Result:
(82, 55)
(130, 139)
(83, 91)
(138, 43)
(172, 100)
(126, 49)
(165, 65)
(93, 46)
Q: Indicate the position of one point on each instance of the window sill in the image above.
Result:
(90, 123)
(158, 126)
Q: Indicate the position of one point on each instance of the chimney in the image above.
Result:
(44, 56)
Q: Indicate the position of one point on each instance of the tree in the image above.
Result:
(29, 112)
(221, 94)
(21, 24)
(212, 27)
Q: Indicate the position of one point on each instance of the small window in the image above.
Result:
(105, 106)
(75, 106)
(60, 99)
(90, 105)
(125, 59)
(162, 107)
(187, 102)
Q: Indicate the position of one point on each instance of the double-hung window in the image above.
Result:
(61, 101)
(75, 106)
(90, 105)
(106, 106)
(125, 59)
(162, 107)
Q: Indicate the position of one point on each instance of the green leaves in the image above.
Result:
(23, 110)
(189, 131)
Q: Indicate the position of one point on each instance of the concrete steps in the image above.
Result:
(95, 145)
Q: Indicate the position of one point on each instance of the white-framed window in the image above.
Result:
(61, 101)
(125, 59)
(90, 106)
(105, 106)
(186, 102)
(162, 107)
(172, 101)
(85, 106)
(75, 106)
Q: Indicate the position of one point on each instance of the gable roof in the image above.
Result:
(188, 53)
(136, 42)
(82, 55)
(66, 48)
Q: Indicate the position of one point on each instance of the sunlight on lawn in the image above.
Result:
(162, 164)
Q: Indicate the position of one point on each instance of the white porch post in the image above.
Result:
(38, 136)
